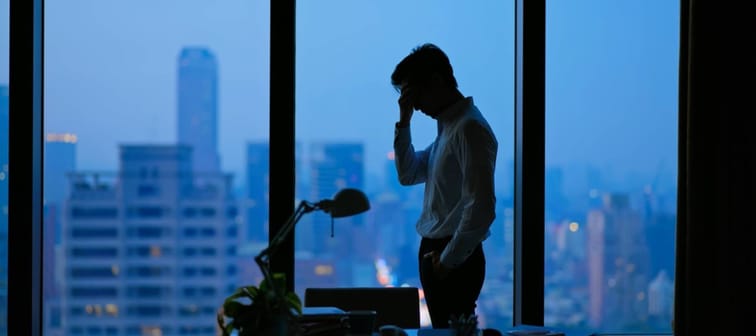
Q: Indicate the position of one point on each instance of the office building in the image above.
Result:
(335, 166)
(60, 159)
(198, 106)
(618, 265)
(258, 177)
(150, 250)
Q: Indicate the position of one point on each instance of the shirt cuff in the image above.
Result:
(401, 131)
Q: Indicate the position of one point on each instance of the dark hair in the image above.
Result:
(418, 67)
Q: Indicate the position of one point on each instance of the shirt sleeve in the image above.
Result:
(477, 155)
(411, 165)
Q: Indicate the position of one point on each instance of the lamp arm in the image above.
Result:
(263, 258)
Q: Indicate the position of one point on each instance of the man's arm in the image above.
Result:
(477, 155)
(411, 165)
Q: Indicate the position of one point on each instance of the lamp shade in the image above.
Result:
(348, 202)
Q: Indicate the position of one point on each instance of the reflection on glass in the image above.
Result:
(346, 109)
(152, 167)
(611, 149)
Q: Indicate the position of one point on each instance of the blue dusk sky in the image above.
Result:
(611, 92)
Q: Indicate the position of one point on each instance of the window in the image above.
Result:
(94, 213)
(149, 251)
(148, 212)
(611, 164)
(345, 114)
(208, 232)
(93, 292)
(94, 252)
(147, 125)
(207, 212)
(189, 272)
(148, 271)
(190, 212)
(189, 252)
(94, 272)
(148, 232)
(208, 271)
(148, 311)
(93, 233)
(117, 84)
(147, 190)
(148, 291)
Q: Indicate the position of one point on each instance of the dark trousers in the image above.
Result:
(456, 293)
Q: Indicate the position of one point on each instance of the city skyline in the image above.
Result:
(611, 132)
(147, 111)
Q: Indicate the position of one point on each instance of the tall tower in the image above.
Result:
(198, 107)
(334, 166)
(60, 159)
(258, 167)
(618, 264)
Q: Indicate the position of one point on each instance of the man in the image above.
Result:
(458, 171)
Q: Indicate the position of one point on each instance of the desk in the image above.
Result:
(518, 330)
(334, 316)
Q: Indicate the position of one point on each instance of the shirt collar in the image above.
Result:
(456, 109)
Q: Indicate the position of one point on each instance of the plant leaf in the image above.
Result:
(232, 309)
(251, 292)
(294, 302)
(248, 291)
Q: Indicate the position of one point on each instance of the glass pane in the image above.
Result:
(4, 51)
(611, 164)
(346, 110)
(154, 114)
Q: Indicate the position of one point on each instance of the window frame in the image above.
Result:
(25, 140)
(25, 188)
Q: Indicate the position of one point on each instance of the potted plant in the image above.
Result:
(262, 310)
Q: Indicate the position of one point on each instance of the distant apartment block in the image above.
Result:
(149, 250)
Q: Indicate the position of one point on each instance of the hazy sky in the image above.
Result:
(110, 73)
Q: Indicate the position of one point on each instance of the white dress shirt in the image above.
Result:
(458, 171)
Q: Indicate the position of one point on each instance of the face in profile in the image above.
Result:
(419, 98)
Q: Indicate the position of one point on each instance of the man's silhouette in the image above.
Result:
(458, 171)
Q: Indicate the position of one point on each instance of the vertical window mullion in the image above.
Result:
(281, 193)
(25, 156)
(530, 41)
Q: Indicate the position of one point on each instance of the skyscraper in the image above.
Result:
(150, 250)
(258, 163)
(60, 159)
(198, 106)
(618, 264)
(334, 166)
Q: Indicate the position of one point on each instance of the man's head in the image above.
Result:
(427, 72)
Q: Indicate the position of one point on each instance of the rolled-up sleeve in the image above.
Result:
(477, 155)
(411, 165)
